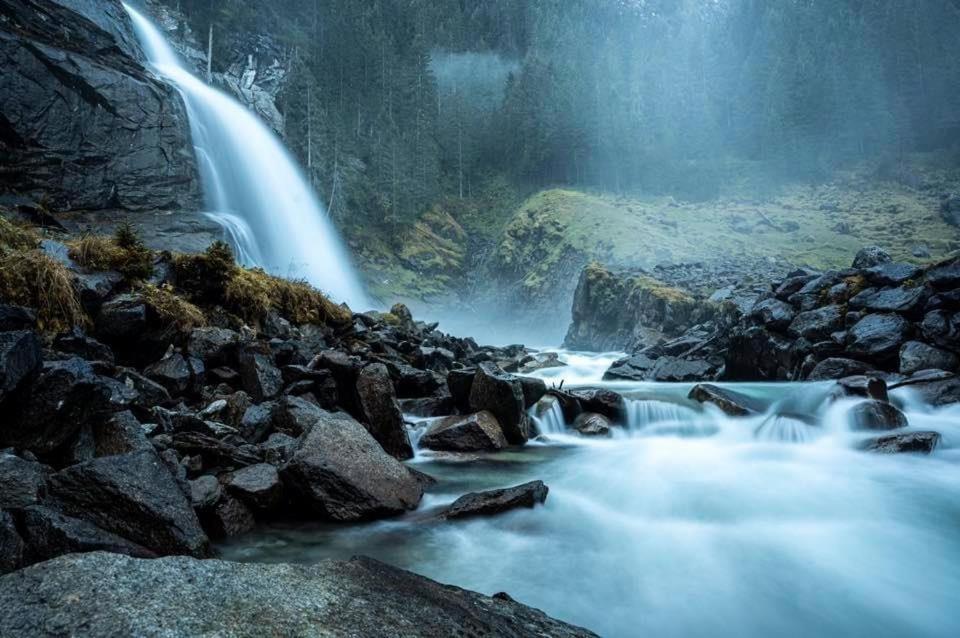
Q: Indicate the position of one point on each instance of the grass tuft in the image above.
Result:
(33, 279)
(124, 252)
(172, 309)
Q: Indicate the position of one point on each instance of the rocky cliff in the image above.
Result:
(83, 125)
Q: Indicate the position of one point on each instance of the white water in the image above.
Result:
(266, 207)
(691, 523)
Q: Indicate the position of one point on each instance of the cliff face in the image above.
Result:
(83, 126)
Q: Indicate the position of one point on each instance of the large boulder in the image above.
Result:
(602, 401)
(773, 313)
(906, 301)
(20, 356)
(115, 137)
(261, 378)
(878, 337)
(870, 257)
(340, 472)
(134, 496)
(916, 356)
(877, 415)
(591, 424)
(502, 394)
(49, 412)
(837, 368)
(381, 412)
(22, 482)
(756, 354)
(121, 596)
(817, 325)
(48, 533)
(479, 432)
(915, 442)
(493, 502)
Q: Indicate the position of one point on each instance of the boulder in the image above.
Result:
(911, 442)
(258, 419)
(11, 545)
(602, 401)
(340, 472)
(870, 257)
(729, 401)
(479, 432)
(215, 453)
(22, 482)
(278, 448)
(123, 318)
(533, 390)
(756, 354)
(133, 496)
(892, 274)
(176, 373)
(677, 370)
(205, 491)
(502, 394)
(20, 356)
(878, 336)
(78, 343)
(936, 391)
(492, 502)
(942, 329)
(381, 412)
(228, 517)
(48, 533)
(592, 424)
(151, 393)
(121, 434)
(638, 367)
(214, 346)
(256, 485)
(906, 301)
(460, 383)
(345, 370)
(837, 368)
(817, 325)
(877, 415)
(438, 405)
(186, 597)
(916, 356)
(773, 313)
(261, 378)
(945, 276)
(66, 397)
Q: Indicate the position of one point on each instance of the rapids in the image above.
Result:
(691, 523)
(252, 185)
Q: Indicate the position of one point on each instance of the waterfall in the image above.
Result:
(644, 412)
(549, 420)
(252, 184)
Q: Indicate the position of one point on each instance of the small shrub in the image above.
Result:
(33, 279)
(205, 276)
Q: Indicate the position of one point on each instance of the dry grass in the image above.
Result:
(173, 310)
(123, 252)
(33, 279)
(95, 252)
(253, 293)
(16, 237)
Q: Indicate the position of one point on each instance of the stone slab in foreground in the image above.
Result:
(102, 594)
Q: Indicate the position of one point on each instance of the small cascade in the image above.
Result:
(645, 412)
(785, 429)
(249, 176)
(549, 420)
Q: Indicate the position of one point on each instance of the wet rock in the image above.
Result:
(228, 517)
(22, 482)
(637, 367)
(175, 373)
(773, 313)
(261, 379)
(892, 274)
(675, 369)
(187, 597)
(916, 356)
(602, 401)
(258, 486)
(542, 361)
(492, 502)
(460, 382)
(871, 256)
(941, 328)
(592, 424)
(11, 545)
(434, 406)
(792, 285)
(837, 368)
(935, 391)
(381, 412)
(295, 416)
(878, 336)
(205, 491)
(502, 394)
(911, 442)
(259, 418)
(66, 397)
(133, 496)
(20, 356)
(410, 382)
(756, 354)
(817, 325)
(76, 342)
(340, 472)
(213, 346)
(14, 318)
(877, 415)
(906, 301)
(479, 432)
(533, 390)
(48, 533)
(214, 452)
(731, 402)
(345, 370)
(861, 386)
(123, 318)
(945, 276)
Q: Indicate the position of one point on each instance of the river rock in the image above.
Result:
(916, 442)
(20, 356)
(906, 301)
(48, 533)
(479, 432)
(756, 354)
(340, 472)
(870, 257)
(837, 368)
(945, 276)
(916, 356)
(533, 390)
(186, 597)
(877, 415)
(878, 336)
(729, 401)
(67, 396)
(592, 424)
(492, 502)
(942, 328)
(892, 274)
(381, 412)
(256, 485)
(602, 401)
(817, 325)
(133, 496)
(774, 314)
(638, 367)
(502, 394)
(22, 482)
(936, 391)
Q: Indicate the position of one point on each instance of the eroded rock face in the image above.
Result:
(340, 472)
(114, 137)
(188, 597)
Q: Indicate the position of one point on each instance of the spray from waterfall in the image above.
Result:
(252, 185)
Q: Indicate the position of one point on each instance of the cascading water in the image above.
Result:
(252, 184)
(549, 420)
